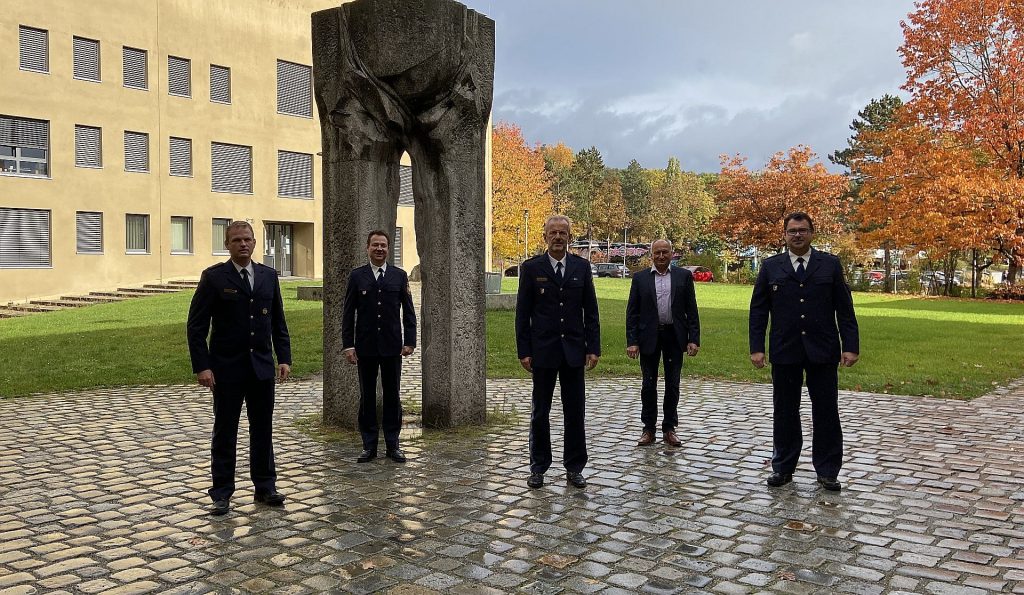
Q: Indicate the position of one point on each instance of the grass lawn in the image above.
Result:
(942, 347)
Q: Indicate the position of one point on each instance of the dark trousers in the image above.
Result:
(827, 442)
(574, 455)
(258, 396)
(669, 350)
(390, 368)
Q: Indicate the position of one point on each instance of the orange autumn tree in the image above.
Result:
(518, 183)
(929, 192)
(965, 71)
(754, 203)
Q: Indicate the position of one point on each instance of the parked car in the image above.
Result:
(610, 269)
(703, 274)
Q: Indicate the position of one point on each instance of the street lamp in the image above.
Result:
(526, 236)
(625, 244)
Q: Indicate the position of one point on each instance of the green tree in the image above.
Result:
(636, 194)
(585, 177)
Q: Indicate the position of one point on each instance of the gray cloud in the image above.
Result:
(650, 79)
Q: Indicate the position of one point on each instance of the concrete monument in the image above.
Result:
(416, 76)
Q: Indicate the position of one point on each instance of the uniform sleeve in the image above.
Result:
(408, 315)
(198, 325)
(348, 317)
(591, 317)
(692, 316)
(524, 312)
(849, 332)
(760, 307)
(279, 328)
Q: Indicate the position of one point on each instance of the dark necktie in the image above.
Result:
(380, 276)
(245, 278)
(800, 268)
(558, 271)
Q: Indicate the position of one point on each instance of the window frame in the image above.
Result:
(214, 165)
(78, 233)
(125, 137)
(187, 65)
(22, 54)
(170, 157)
(24, 212)
(125, 50)
(308, 71)
(74, 62)
(280, 190)
(16, 154)
(99, 146)
(187, 221)
(226, 69)
(145, 219)
(217, 246)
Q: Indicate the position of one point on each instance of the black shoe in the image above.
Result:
(830, 483)
(536, 480)
(396, 455)
(576, 480)
(220, 507)
(779, 479)
(366, 456)
(269, 498)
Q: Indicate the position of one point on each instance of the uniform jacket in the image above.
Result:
(248, 326)
(376, 316)
(642, 310)
(557, 321)
(809, 318)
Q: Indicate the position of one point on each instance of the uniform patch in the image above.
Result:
(364, 292)
(542, 291)
(775, 287)
(264, 311)
(542, 279)
(229, 290)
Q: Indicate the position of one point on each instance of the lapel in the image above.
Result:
(815, 257)
(550, 270)
(787, 265)
(678, 279)
(652, 286)
(235, 278)
(258, 276)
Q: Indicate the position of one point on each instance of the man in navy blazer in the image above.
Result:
(558, 334)
(378, 312)
(242, 300)
(804, 294)
(661, 324)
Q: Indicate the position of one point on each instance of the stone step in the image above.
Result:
(90, 299)
(165, 287)
(62, 303)
(119, 295)
(31, 308)
(145, 290)
(5, 313)
(184, 283)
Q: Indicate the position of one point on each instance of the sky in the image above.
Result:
(692, 79)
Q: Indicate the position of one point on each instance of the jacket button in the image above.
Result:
(251, 317)
(563, 336)
(803, 332)
(251, 301)
(560, 304)
(250, 351)
(251, 334)
(378, 303)
(561, 320)
(801, 285)
(802, 316)
(801, 300)
(378, 316)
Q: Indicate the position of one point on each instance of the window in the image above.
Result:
(181, 157)
(181, 235)
(88, 146)
(24, 146)
(136, 151)
(294, 89)
(395, 254)
(86, 59)
(24, 238)
(231, 168)
(220, 235)
(34, 51)
(136, 240)
(179, 76)
(220, 84)
(136, 69)
(89, 228)
(294, 174)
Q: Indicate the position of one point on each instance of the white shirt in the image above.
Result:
(249, 268)
(663, 288)
(806, 257)
(554, 263)
(378, 269)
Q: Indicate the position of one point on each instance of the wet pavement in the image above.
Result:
(104, 491)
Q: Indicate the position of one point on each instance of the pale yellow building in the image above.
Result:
(132, 132)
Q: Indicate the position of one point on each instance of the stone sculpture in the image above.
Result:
(416, 76)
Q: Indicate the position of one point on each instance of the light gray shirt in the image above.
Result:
(663, 287)
(554, 264)
(806, 257)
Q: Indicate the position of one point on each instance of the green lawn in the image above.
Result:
(933, 346)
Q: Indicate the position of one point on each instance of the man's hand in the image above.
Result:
(591, 361)
(407, 350)
(633, 351)
(692, 349)
(205, 378)
(527, 363)
(757, 359)
(849, 358)
(350, 355)
(283, 370)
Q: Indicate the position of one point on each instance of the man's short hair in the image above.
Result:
(377, 232)
(557, 217)
(667, 241)
(236, 224)
(798, 216)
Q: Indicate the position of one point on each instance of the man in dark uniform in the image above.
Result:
(242, 299)
(804, 293)
(557, 334)
(378, 312)
(661, 323)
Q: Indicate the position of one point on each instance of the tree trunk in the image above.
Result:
(887, 260)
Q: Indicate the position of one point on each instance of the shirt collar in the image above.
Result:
(554, 263)
(383, 268)
(668, 271)
(806, 257)
(248, 267)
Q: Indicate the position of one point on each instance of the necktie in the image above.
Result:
(800, 268)
(245, 277)
(558, 271)
(380, 276)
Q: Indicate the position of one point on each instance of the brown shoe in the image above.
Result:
(671, 439)
(646, 439)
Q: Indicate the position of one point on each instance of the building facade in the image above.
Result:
(132, 133)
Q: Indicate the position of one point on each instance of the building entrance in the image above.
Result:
(277, 248)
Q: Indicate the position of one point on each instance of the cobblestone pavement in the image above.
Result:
(104, 491)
